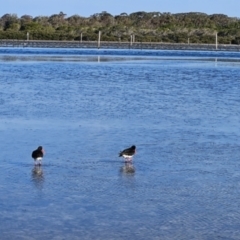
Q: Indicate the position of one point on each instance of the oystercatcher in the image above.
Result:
(128, 153)
(37, 155)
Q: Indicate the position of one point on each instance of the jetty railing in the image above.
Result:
(116, 45)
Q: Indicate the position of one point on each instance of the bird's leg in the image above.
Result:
(128, 159)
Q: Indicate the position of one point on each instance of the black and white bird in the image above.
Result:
(37, 155)
(128, 153)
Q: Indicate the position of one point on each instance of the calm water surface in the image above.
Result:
(181, 110)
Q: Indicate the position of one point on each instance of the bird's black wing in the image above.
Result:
(37, 153)
(125, 151)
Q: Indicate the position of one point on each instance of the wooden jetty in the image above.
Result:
(118, 45)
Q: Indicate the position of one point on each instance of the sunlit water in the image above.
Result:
(181, 110)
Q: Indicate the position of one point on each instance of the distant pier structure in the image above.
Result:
(118, 45)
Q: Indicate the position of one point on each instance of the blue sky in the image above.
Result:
(87, 8)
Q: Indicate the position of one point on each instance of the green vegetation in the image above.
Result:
(146, 27)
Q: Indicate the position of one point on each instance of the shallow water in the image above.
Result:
(181, 110)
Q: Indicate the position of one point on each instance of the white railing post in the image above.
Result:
(99, 39)
(216, 41)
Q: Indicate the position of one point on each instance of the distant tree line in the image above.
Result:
(191, 27)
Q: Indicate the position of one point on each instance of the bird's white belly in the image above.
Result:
(38, 161)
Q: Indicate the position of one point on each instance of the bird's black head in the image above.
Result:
(40, 148)
(133, 147)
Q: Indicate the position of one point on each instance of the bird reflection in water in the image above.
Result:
(128, 168)
(38, 176)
